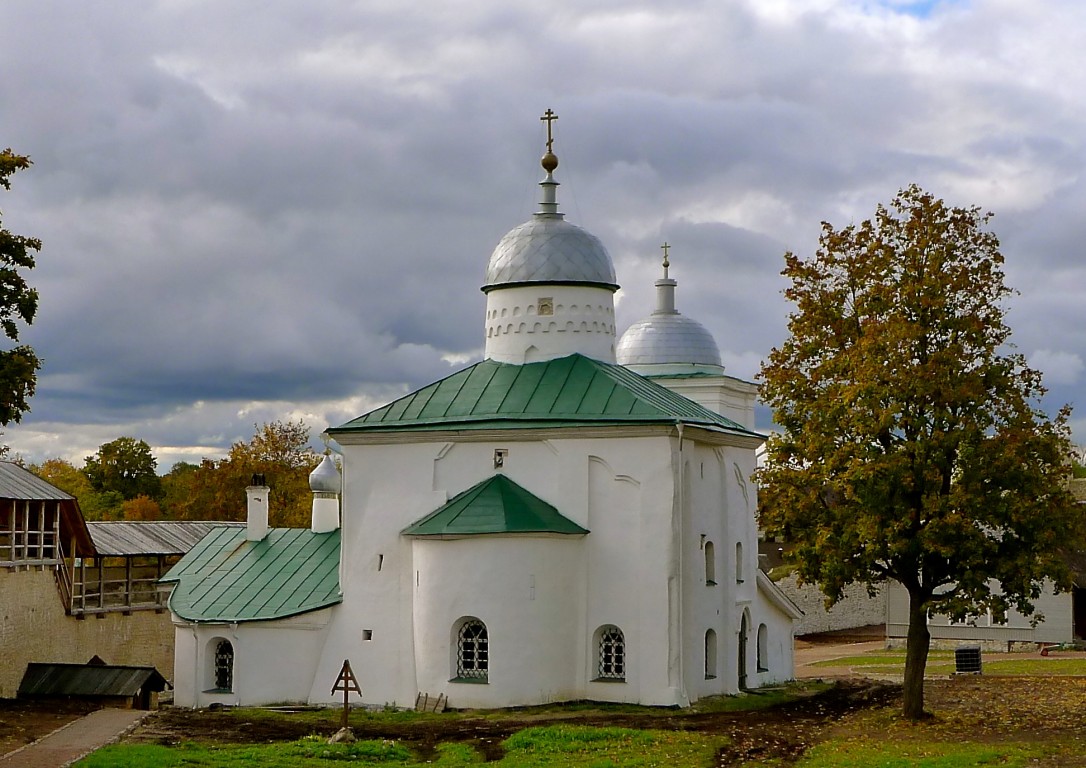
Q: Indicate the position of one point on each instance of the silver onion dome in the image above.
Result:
(548, 249)
(667, 339)
(325, 478)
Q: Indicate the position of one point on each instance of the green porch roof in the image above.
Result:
(496, 505)
(570, 391)
(227, 578)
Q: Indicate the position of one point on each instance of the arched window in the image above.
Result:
(738, 562)
(763, 648)
(472, 651)
(710, 563)
(224, 666)
(611, 658)
(710, 654)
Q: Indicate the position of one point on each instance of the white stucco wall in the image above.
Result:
(530, 595)
(274, 661)
(583, 320)
(719, 499)
(652, 504)
(726, 395)
(618, 489)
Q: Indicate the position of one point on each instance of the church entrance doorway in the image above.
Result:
(743, 631)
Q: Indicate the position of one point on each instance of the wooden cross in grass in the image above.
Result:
(347, 683)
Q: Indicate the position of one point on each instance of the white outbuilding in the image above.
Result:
(552, 523)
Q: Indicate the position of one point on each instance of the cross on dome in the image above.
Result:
(549, 117)
(550, 160)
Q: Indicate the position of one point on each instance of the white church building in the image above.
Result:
(568, 519)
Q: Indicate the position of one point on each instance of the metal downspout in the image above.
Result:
(195, 665)
(682, 592)
(234, 664)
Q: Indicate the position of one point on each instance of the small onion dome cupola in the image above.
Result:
(325, 478)
(325, 483)
(547, 277)
(666, 342)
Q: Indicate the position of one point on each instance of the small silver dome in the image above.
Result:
(548, 249)
(667, 338)
(325, 478)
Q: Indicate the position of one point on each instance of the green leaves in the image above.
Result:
(913, 447)
(125, 466)
(18, 304)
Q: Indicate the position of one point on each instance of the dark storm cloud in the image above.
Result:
(270, 210)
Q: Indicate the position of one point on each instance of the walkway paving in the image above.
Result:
(77, 739)
(808, 654)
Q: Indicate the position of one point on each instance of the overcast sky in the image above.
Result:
(270, 210)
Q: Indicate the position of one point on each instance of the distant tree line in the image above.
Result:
(121, 481)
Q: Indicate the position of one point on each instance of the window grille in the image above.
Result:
(612, 656)
(472, 651)
(224, 666)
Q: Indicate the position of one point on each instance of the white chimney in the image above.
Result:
(325, 483)
(257, 510)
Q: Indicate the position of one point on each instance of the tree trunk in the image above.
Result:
(916, 657)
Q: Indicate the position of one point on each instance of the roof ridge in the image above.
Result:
(226, 578)
(518, 511)
(530, 394)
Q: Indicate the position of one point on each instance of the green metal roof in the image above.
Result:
(496, 505)
(227, 578)
(570, 391)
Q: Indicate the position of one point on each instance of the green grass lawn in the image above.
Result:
(557, 746)
(867, 753)
(1019, 719)
(942, 663)
(566, 746)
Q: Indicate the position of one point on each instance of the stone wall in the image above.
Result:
(855, 609)
(986, 646)
(34, 628)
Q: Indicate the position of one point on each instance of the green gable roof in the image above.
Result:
(569, 391)
(227, 578)
(496, 505)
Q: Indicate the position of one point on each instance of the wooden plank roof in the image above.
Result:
(19, 484)
(88, 680)
(150, 537)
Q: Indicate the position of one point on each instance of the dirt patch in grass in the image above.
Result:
(783, 732)
(22, 722)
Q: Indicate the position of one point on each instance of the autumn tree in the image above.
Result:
(95, 505)
(215, 490)
(141, 508)
(280, 451)
(125, 466)
(63, 474)
(18, 304)
(913, 448)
